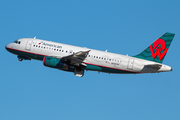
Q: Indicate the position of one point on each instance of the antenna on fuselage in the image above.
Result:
(35, 37)
(106, 50)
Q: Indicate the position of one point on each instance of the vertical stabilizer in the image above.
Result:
(157, 51)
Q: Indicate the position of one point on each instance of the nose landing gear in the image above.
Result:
(20, 59)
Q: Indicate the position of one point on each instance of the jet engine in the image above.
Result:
(56, 63)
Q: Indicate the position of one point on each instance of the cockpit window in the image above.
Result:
(17, 42)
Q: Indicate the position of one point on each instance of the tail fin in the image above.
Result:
(157, 50)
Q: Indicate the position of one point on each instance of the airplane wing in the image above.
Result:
(77, 58)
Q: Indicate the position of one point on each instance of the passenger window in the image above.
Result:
(109, 59)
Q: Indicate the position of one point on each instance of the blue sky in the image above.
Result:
(30, 91)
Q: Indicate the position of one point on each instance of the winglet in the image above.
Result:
(88, 52)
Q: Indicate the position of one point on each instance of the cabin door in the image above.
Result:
(130, 64)
(28, 45)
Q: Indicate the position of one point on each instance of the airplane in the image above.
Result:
(78, 59)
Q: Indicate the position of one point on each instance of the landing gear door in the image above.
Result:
(28, 45)
(130, 64)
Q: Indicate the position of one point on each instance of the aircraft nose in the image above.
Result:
(8, 46)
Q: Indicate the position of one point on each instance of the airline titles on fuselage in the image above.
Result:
(50, 45)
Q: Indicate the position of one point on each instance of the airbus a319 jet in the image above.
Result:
(78, 59)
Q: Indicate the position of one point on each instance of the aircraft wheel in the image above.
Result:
(20, 59)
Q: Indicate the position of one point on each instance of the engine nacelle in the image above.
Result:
(55, 63)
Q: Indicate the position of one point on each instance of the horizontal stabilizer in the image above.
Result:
(154, 66)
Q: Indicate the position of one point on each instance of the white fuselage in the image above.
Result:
(96, 58)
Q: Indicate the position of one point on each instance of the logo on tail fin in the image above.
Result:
(159, 46)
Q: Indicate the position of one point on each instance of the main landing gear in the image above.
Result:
(78, 72)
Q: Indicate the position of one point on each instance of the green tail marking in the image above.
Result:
(157, 51)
